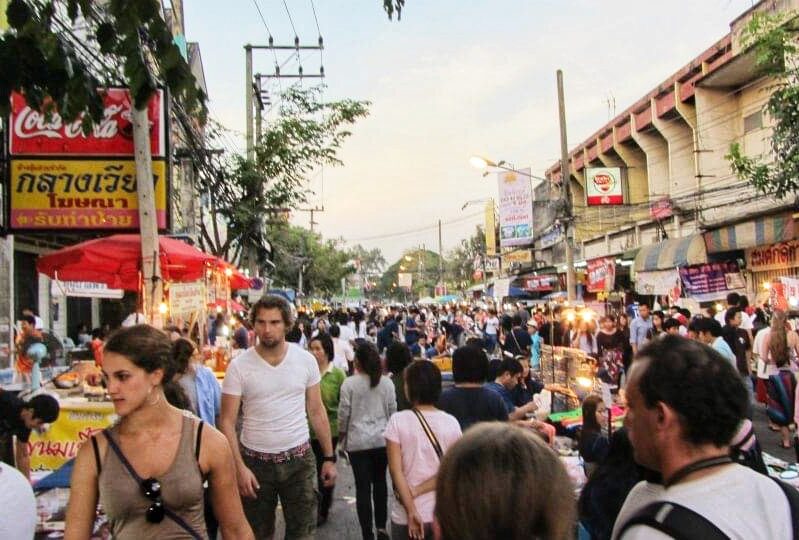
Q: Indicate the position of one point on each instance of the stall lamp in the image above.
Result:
(793, 301)
(225, 330)
(219, 309)
(585, 382)
(228, 272)
(570, 316)
(719, 307)
(162, 308)
(766, 285)
(587, 316)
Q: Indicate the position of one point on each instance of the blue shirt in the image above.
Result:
(535, 350)
(209, 395)
(638, 329)
(504, 393)
(724, 349)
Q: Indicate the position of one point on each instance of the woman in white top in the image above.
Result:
(416, 440)
(585, 339)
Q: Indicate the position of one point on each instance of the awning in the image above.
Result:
(749, 234)
(671, 254)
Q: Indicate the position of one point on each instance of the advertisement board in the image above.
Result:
(490, 229)
(515, 208)
(603, 186)
(660, 282)
(707, 282)
(405, 279)
(541, 283)
(601, 274)
(186, 298)
(773, 256)
(54, 194)
(31, 132)
(84, 289)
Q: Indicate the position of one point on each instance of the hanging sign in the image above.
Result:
(84, 289)
(773, 256)
(601, 274)
(186, 298)
(405, 279)
(515, 208)
(603, 186)
(704, 279)
(540, 283)
(32, 132)
(80, 194)
(501, 288)
(490, 229)
(660, 282)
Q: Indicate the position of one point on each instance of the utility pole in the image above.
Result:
(311, 211)
(148, 224)
(440, 258)
(248, 100)
(565, 190)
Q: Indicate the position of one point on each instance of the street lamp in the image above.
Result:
(479, 162)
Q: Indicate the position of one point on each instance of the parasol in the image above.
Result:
(116, 261)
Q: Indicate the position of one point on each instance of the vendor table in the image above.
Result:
(78, 421)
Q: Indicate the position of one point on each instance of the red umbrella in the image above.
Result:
(116, 261)
(236, 278)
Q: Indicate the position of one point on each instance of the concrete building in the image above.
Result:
(679, 190)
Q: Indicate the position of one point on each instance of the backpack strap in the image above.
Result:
(96, 455)
(675, 520)
(792, 495)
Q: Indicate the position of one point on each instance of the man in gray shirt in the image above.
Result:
(639, 327)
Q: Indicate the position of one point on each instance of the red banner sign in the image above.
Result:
(601, 274)
(31, 132)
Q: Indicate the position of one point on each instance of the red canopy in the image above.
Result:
(237, 279)
(234, 306)
(116, 261)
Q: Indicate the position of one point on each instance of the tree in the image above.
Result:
(392, 6)
(58, 71)
(370, 262)
(307, 133)
(422, 264)
(773, 40)
(459, 262)
(297, 250)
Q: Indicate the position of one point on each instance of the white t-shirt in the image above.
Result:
(343, 353)
(491, 326)
(419, 458)
(746, 321)
(742, 503)
(273, 398)
(17, 504)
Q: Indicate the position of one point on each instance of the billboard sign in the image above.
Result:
(601, 274)
(58, 194)
(515, 208)
(32, 132)
(603, 186)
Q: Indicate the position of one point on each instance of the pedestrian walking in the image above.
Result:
(148, 470)
(367, 402)
(274, 384)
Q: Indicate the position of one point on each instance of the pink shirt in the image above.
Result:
(419, 459)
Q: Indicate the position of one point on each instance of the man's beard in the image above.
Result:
(271, 343)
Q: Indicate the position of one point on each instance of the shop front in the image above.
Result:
(657, 266)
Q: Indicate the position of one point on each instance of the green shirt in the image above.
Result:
(330, 387)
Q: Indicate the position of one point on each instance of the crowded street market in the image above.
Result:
(263, 342)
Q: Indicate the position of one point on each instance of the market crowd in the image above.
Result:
(470, 453)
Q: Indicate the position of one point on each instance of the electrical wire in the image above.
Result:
(415, 231)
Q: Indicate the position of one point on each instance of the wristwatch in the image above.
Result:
(331, 459)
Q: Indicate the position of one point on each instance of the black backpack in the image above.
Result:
(682, 523)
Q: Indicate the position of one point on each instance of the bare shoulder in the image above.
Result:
(213, 441)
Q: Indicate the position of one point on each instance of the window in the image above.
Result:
(753, 121)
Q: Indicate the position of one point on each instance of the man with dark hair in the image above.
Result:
(671, 326)
(468, 401)
(685, 404)
(508, 376)
(517, 341)
(640, 326)
(708, 331)
(19, 418)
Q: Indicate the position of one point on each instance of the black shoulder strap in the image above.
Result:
(675, 520)
(429, 432)
(199, 441)
(97, 455)
(793, 501)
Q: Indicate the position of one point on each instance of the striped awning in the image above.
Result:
(749, 234)
(671, 254)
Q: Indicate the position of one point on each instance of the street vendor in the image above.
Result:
(19, 418)
(27, 336)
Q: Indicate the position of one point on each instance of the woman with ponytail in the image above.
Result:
(148, 470)
(779, 350)
(366, 403)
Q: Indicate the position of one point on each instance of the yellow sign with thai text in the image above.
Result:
(81, 194)
(75, 425)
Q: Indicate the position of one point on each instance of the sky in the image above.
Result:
(451, 79)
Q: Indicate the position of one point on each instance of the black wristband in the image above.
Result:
(331, 459)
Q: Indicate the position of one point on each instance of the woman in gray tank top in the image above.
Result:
(148, 470)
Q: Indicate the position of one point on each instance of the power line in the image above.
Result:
(415, 231)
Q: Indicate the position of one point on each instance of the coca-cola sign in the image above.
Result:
(32, 132)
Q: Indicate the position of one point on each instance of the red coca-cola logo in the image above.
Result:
(604, 182)
(34, 132)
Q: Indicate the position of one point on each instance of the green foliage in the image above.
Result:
(322, 262)
(422, 264)
(773, 41)
(392, 6)
(247, 194)
(42, 62)
(459, 262)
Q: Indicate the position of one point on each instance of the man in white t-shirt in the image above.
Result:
(491, 327)
(17, 504)
(274, 383)
(344, 354)
(680, 426)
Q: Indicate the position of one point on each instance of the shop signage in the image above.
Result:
(80, 194)
(712, 278)
(84, 289)
(601, 274)
(519, 256)
(515, 208)
(790, 287)
(186, 298)
(492, 264)
(659, 282)
(779, 256)
(603, 186)
(405, 279)
(490, 229)
(540, 283)
(31, 132)
(553, 236)
(660, 209)
(501, 288)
